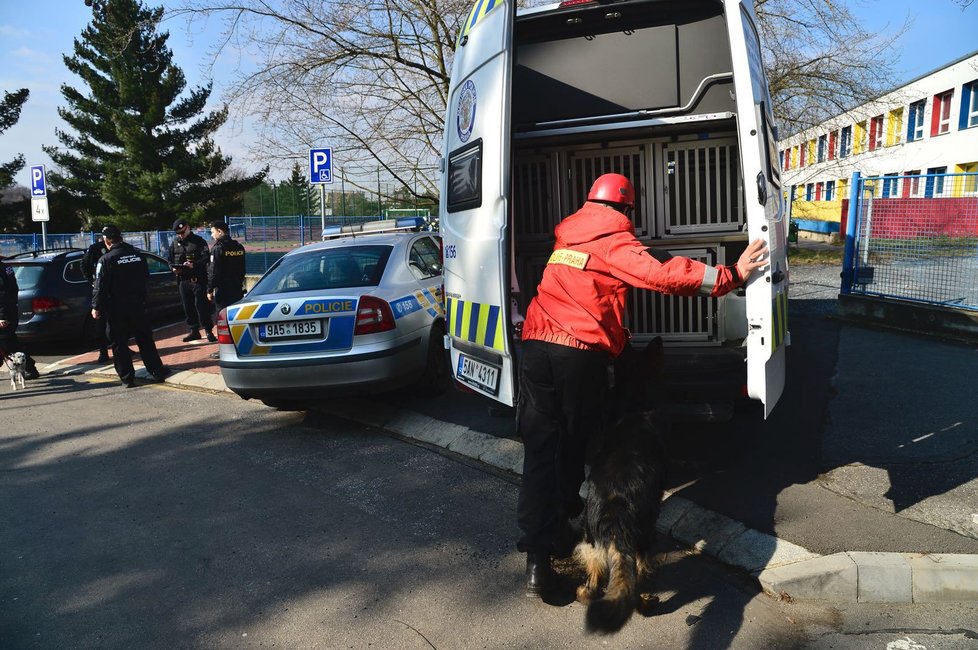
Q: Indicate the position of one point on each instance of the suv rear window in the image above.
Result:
(28, 275)
(333, 268)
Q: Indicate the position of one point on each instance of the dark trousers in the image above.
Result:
(225, 297)
(561, 403)
(195, 304)
(99, 333)
(122, 327)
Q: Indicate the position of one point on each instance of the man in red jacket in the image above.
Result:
(573, 330)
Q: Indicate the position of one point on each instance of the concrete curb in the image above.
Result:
(782, 569)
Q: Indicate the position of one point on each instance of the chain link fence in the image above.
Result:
(914, 237)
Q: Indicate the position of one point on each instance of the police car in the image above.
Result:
(360, 312)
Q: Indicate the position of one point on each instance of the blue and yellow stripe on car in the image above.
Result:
(779, 319)
(478, 12)
(477, 323)
(426, 299)
(340, 315)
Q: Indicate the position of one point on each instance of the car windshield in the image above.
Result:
(330, 268)
(28, 275)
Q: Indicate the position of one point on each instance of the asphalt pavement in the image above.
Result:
(861, 486)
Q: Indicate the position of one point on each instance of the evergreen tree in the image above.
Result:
(294, 194)
(10, 107)
(142, 152)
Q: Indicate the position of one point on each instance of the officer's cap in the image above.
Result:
(220, 224)
(111, 232)
(179, 225)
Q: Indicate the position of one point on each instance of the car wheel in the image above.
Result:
(437, 377)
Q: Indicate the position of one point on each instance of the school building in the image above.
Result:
(917, 139)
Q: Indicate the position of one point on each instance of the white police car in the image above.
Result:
(360, 312)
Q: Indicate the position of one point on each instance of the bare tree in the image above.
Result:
(820, 61)
(370, 77)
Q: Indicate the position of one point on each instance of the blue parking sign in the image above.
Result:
(38, 184)
(321, 165)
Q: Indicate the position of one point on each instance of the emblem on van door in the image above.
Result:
(286, 309)
(465, 113)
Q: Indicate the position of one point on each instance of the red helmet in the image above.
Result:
(613, 188)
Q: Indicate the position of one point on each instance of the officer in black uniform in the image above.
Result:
(188, 259)
(225, 275)
(120, 298)
(10, 318)
(89, 262)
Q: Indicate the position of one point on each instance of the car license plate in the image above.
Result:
(294, 329)
(478, 374)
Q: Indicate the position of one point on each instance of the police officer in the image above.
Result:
(10, 318)
(188, 259)
(573, 329)
(120, 297)
(89, 262)
(225, 275)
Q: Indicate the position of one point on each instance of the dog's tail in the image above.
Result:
(610, 613)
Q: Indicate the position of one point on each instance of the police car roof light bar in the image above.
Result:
(383, 225)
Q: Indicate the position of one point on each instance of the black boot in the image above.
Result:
(539, 574)
(210, 336)
(193, 336)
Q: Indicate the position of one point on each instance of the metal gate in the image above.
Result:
(913, 237)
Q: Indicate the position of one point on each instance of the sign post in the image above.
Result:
(321, 173)
(39, 201)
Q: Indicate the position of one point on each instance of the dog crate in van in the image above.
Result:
(672, 95)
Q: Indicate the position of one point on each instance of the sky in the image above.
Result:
(35, 34)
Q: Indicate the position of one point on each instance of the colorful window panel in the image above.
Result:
(915, 125)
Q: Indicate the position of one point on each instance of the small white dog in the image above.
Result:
(17, 365)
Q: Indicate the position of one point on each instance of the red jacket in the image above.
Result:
(580, 302)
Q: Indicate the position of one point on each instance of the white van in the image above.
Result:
(670, 93)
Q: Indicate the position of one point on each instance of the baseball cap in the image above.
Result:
(111, 231)
(179, 224)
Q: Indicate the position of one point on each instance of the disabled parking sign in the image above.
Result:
(38, 183)
(321, 165)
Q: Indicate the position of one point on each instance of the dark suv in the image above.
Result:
(55, 296)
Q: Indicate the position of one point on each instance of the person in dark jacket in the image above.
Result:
(188, 259)
(10, 318)
(119, 297)
(89, 262)
(226, 273)
(573, 330)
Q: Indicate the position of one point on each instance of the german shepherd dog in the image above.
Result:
(624, 493)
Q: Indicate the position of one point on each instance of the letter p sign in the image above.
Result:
(321, 165)
(38, 185)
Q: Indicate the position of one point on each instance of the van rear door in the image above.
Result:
(475, 202)
(767, 294)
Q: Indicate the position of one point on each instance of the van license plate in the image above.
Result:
(478, 374)
(290, 330)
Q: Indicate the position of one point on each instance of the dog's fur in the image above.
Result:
(17, 365)
(624, 492)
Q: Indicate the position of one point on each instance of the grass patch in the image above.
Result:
(802, 256)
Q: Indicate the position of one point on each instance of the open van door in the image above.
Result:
(767, 293)
(474, 210)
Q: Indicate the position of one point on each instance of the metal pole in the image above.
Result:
(322, 203)
(44, 234)
(380, 209)
(848, 261)
(343, 195)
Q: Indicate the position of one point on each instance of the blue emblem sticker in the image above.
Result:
(465, 112)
